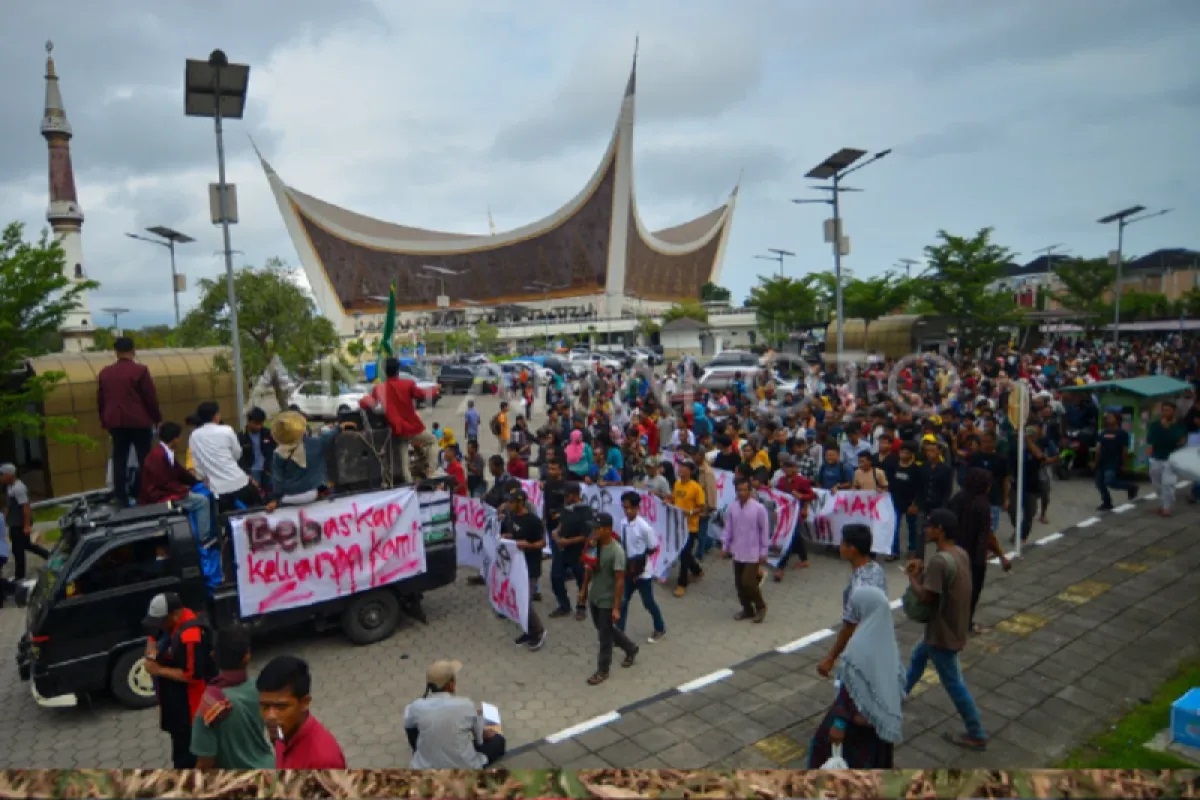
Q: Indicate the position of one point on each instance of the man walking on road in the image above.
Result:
(745, 539)
(944, 582)
(864, 571)
(19, 515)
(1165, 435)
(567, 542)
(530, 535)
(603, 584)
(127, 403)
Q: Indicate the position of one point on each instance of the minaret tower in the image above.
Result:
(64, 214)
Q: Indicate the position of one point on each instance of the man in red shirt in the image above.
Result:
(454, 469)
(516, 467)
(397, 397)
(301, 741)
(179, 657)
(127, 403)
(799, 487)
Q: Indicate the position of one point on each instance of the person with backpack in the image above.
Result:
(939, 594)
(179, 658)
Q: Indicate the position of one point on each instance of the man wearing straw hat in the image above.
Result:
(298, 465)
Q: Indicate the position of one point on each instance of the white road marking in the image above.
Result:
(583, 727)
(705, 680)
(1121, 509)
(1087, 523)
(1054, 537)
(1183, 484)
(1151, 496)
(805, 641)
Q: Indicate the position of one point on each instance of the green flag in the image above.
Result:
(385, 338)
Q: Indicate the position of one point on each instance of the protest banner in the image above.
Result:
(474, 522)
(726, 493)
(787, 514)
(507, 579)
(832, 511)
(299, 556)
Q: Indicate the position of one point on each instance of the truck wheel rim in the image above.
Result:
(140, 681)
(371, 616)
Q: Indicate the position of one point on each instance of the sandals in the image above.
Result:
(580, 614)
(629, 659)
(597, 679)
(961, 740)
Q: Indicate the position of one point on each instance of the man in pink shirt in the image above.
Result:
(745, 540)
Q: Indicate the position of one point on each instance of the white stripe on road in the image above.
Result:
(899, 601)
(1054, 537)
(1009, 556)
(1121, 509)
(805, 641)
(706, 680)
(1087, 523)
(1151, 496)
(1183, 484)
(583, 727)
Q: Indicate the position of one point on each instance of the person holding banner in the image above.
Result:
(640, 542)
(793, 483)
(602, 585)
(527, 531)
(568, 538)
(746, 538)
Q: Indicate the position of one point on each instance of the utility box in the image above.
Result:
(180, 283)
(1185, 719)
(214, 203)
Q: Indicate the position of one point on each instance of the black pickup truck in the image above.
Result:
(84, 612)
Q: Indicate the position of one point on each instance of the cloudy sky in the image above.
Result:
(1035, 117)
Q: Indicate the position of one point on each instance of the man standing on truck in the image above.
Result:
(127, 404)
(228, 731)
(216, 451)
(165, 480)
(179, 655)
(19, 515)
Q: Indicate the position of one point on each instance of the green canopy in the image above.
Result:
(1146, 386)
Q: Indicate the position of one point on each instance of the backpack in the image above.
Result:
(206, 666)
(917, 611)
(495, 425)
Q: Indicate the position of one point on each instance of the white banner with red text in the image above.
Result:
(300, 556)
(499, 561)
(833, 511)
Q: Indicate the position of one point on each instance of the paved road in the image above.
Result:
(360, 693)
(1084, 631)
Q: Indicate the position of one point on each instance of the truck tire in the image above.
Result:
(371, 617)
(129, 682)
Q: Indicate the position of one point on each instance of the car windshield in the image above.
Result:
(419, 372)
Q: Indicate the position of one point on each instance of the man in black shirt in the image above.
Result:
(729, 458)
(937, 483)
(567, 541)
(904, 485)
(530, 535)
(986, 457)
(1032, 482)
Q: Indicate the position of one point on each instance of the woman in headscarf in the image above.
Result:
(975, 535)
(579, 456)
(701, 425)
(298, 466)
(866, 715)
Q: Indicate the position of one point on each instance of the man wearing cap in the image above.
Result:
(446, 731)
(127, 404)
(19, 515)
(178, 655)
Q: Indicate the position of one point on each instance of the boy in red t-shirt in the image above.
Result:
(454, 469)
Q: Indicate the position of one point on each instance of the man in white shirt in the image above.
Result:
(215, 452)
(640, 542)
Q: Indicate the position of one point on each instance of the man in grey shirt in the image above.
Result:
(19, 515)
(654, 482)
(446, 731)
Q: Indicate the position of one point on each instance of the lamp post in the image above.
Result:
(116, 315)
(907, 264)
(838, 166)
(777, 255)
(216, 88)
(1116, 258)
(168, 238)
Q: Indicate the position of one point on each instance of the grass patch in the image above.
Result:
(49, 514)
(1123, 747)
(50, 538)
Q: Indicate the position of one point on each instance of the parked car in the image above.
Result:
(428, 390)
(323, 400)
(541, 374)
(734, 358)
(459, 378)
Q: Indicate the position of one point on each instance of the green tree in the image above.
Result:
(685, 310)
(278, 322)
(486, 336)
(872, 298)
(1085, 282)
(151, 337)
(712, 293)
(781, 305)
(1138, 305)
(1190, 303)
(35, 300)
(958, 284)
(356, 350)
(646, 328)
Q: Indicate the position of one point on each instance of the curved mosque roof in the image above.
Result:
(595, 244)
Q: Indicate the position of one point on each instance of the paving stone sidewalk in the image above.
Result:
(1086, 626)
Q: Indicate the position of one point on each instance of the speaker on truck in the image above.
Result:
(352, 462)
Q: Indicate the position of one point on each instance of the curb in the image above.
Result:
(791, 647)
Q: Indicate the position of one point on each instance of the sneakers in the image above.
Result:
(742, 615)
(1104, 507)
(656, 636)
(535, 644)
(524, 638)
(559, 613)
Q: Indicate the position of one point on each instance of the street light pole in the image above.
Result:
(169, 236)
(836, 167)
(1117, 257)
(222, 191)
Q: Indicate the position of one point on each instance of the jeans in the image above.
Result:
(492, 748)
(1106, 479)
(798, 547)
(535, 622)
(123, 439)
(687, 561)
(910, 520)
(949, 672)
(996, 519)
(1162, 475)
(703, 543)
(560, 565)
(200, 507)
(609, 635)
(645, 589)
